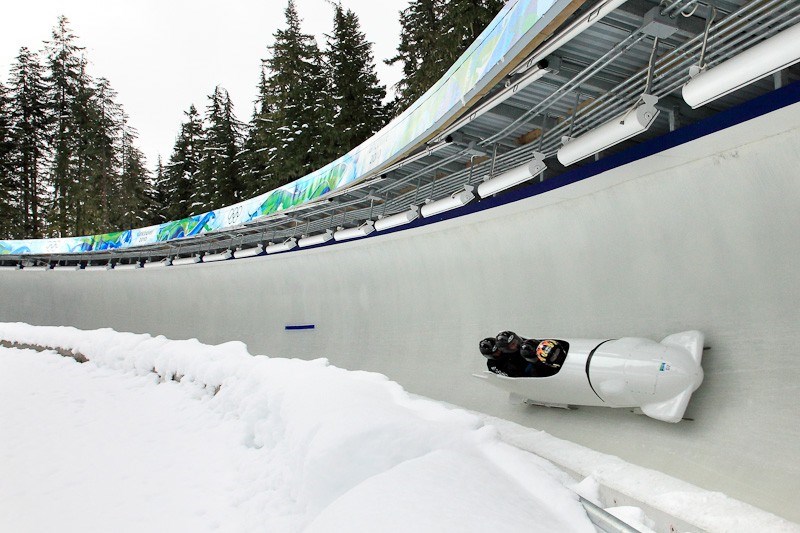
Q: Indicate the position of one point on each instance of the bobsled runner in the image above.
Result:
(657, 378)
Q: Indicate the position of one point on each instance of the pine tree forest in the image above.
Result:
(69, 164)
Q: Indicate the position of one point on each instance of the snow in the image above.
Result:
(155, 434)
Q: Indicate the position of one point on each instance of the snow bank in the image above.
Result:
(329, 449)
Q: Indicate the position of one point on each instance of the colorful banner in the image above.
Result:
(505, 36)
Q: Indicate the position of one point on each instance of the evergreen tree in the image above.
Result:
(95, 157)
(299, 124)
(464, 21)
(9, 188)
(434, 35)
(161, 195)
(257, 152)
(181, 173)
(62, 139)
(135, 205)
(419, 50)
(220, 164)
(105, 159)
(30, 123)
(63, 84)
(357, 94)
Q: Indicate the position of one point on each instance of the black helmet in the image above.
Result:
(488, 348)
(505, 340)
(528, 350)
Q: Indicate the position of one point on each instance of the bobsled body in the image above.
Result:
(658, 378)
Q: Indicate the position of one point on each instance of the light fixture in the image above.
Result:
(222, 256)
(398, 219)
(455, 200)
(284, 246)
(127, 266)
(313, 240)
(778, 52)
(249, 252)
(512, 177)
(621, 128)
(354, 233)
(186, 260)
(157, 264)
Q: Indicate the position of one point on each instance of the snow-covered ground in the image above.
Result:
(158, 435)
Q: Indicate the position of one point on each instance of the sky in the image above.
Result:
(176, 435)
(161, 56)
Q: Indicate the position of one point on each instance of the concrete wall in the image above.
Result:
(702, 236)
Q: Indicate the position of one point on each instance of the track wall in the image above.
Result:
(705, 235)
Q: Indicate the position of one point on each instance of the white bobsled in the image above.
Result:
(657, 378)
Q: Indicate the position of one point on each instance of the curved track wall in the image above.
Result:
(701, 236)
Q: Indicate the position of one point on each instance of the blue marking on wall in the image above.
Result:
(299, 326)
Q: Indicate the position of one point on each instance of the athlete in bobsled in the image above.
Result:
(510, 355)
(657, 378)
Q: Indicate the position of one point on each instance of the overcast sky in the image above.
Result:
(163, 55)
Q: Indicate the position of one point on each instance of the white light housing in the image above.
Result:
(776, 53)
(457, 199)
(313, 240)
(398, 219)
(249, 252)
(36, 268)
(512, 177)
(621, 128)
(284, 246)
(157, 264)
(129, 266)
(96, 268)
(185, 260)
(354, 233)
(222, 256)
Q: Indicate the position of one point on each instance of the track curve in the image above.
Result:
(700, 236)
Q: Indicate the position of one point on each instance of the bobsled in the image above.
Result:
(656, 378)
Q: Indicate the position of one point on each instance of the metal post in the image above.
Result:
(471, 168)
(604, 520)
(494, 160)
(541, 135)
